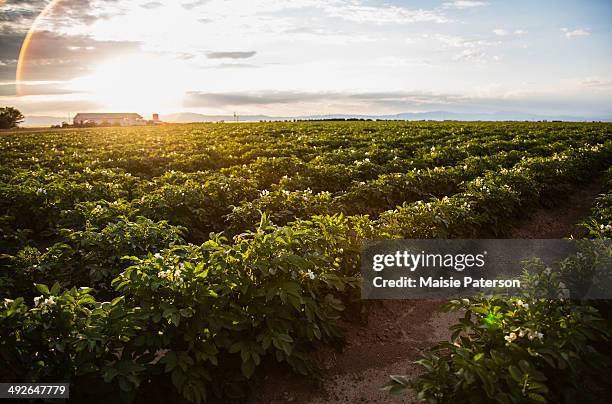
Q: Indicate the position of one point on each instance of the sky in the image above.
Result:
(306, 57)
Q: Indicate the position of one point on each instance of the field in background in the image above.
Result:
(287, 205)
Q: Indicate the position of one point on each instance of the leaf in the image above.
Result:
(515, 373)
(170, 360)
(55, 289)
(110, 374)
(116, 300)
(42, 288)
(538, 398)
(248, 368)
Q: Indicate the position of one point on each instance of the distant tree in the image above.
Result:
(10, 117)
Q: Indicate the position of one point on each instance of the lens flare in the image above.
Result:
(23, 53)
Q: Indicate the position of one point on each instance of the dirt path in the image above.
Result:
(397, 331)
(561, 221)
(395, 334)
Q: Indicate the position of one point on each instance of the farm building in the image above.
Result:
(122, 119)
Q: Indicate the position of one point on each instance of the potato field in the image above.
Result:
(175, 261)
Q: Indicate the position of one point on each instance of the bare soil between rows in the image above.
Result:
(393, 333)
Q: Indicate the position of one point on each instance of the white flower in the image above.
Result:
(520, 303)
(37, 300)
(311, 274)
(7, 302)
(510, 337)
(49, 301)
(177, 273)
(157, 255)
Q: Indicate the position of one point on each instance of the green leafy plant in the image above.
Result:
(517, 350)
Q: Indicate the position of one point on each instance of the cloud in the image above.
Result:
(454, 41)
(231, 55)
(9, 89)
(196, 99)
(10, 45)
(54, 57)
(463, 4)
(399, 61)
(152, 5)
(597, 84)
(202, 99)
(505, 32)
(193, 4)
(472, 54)
(476, 50)
(357, 12)
(377, 102)
(18, 16)
(328, 36)
(34, 105)
(470, 49)
(576, 32)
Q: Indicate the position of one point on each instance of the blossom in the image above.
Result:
(529, 333)
(37, 300)
(49, 301)
(520, 303)
(510, 338)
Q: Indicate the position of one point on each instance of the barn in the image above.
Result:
(121, 119)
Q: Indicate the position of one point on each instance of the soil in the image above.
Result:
(561, 221)
(397, 331)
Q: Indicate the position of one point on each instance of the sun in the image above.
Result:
(134, 82)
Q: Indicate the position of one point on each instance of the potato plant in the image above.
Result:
(206, 249)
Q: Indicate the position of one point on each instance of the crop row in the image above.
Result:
(171, 305)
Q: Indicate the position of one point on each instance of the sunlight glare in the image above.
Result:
(135, 82)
